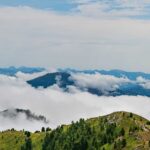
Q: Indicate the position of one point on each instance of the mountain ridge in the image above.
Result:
(11, 71)
(115, 131)
(64, 80)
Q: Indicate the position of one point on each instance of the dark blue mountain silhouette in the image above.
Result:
(50, 79)
(63, 79)
(116, 73)
(11, 71)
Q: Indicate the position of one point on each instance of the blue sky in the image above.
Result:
(58, 5)
(135, 9)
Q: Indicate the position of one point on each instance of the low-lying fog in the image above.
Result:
(60, 107)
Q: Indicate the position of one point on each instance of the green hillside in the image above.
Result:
(15, 140)
(117, 131)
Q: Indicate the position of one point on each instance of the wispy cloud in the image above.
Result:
(103, 83)
(114, 8)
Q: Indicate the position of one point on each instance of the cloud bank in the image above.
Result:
(104, 83)
(60, 107)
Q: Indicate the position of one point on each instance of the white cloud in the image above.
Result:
(103, 83)
(60, 107)
(35, 37)
(27, 77)
(143, 82)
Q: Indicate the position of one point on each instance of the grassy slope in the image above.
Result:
(135, 139)
(12, 140)
(137, 133)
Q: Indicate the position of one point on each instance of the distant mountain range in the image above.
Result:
(63, 78)
(116, 73)
(64, 81)
(11, 71)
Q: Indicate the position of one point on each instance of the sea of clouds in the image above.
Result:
(61, 107)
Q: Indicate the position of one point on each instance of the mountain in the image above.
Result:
(64, 81)
(117, 131)
(60, 78)
(115, 73)
(11, 71)
(129, 75)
